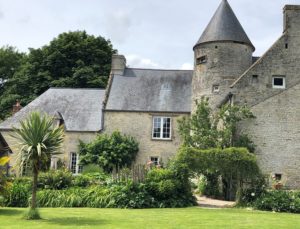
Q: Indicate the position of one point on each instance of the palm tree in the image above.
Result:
(39, 139)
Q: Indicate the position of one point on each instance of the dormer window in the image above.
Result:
(278, 82)
(201, 60)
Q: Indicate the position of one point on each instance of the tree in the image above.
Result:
(200, 129)
(39, 139)
(205, 129)
(10, 61)
(109, 151)
(73, 59)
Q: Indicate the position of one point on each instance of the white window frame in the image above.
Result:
(161, 128)
(278, 86)
(78, 167)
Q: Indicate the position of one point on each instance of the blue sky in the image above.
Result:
(150, 33)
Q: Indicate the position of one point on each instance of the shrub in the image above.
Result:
(170, 187)
(81, 181)
(278, 201)
(234, 165)
(109, 151)
(55, 179)
(17, 195)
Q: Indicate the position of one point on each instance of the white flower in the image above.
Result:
(252, 194)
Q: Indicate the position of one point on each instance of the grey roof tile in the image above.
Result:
(81, 109)
(224, 26)
(151, 90)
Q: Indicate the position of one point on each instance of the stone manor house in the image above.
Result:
(146, 103)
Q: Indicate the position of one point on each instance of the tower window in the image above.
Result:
(286, 45)
(216, 88)
(278, 82)
(254, 79)
(201, 60)
(216, 47)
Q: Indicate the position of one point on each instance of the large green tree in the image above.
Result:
(73, 59)
(39, 139)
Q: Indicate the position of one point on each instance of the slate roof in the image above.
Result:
(151, 90)
(224, 26)
(81, 109)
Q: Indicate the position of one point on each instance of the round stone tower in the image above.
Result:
(222, 54)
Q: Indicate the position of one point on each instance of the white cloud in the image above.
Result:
(136, 61)
(187, 66)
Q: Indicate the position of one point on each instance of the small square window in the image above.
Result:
(254, 79)
(154, 160)
(278, 82)
(201, 60)
(278, 176)
(216, 88)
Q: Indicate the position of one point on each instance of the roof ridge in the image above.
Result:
(159, 69)
(69, 88)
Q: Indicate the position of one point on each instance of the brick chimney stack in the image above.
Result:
(16, 107)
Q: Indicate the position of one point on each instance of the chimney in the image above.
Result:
(118, 64)
(291, 19)
(16, 107)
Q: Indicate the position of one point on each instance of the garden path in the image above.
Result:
(206, 202)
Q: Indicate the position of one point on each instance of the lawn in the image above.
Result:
(148, 218)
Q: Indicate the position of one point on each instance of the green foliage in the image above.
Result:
(213, 187)
(17, 195)
(232, 164)
(82, 181)
(199, 130)
(170, 187)
(229, 116)
(109, 151)
(73, 59)
(91, 168)
(278, 201)
(10, 61)
(3, 179)
(38, 140)
(205, 129)
(55, 179)
(32, 214)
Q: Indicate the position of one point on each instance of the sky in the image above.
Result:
(150, 33)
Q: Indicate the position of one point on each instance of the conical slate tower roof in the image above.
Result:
(224, 26)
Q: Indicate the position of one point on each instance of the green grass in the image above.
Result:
(148, 218)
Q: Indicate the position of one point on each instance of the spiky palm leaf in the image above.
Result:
(39, 139)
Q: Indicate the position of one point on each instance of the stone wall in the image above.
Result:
(276, 133)
(226, 61)
(276, 130)
(139, 126)
(70, 144)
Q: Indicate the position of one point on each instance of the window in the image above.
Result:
(74, 164)
(278, 82)
(161, 128)
(254, 79)
(154, 160)
(201, 60)
(278, 176)
(216, 88)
